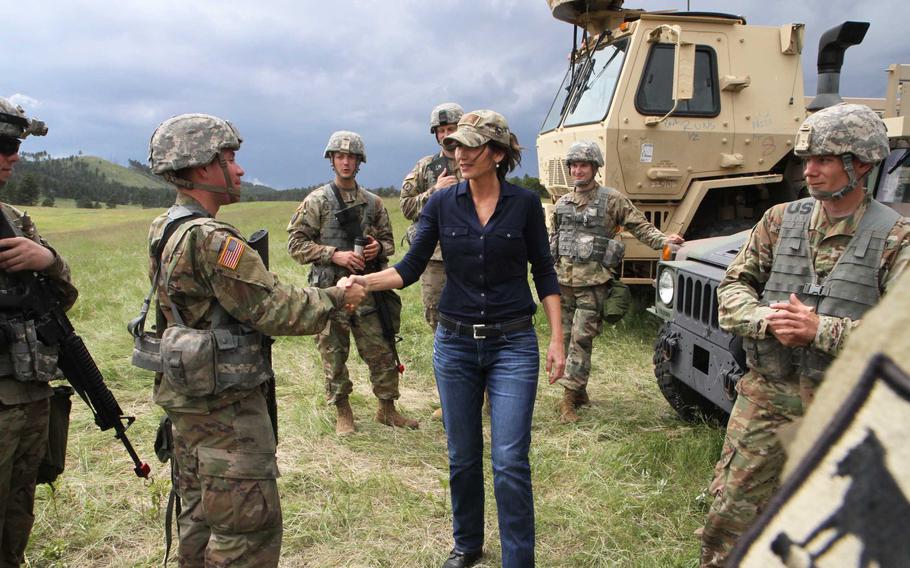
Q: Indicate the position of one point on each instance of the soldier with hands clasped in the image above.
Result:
(804, 279)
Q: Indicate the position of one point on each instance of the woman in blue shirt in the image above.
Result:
(489, 230)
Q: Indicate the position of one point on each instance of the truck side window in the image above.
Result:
(655, 92)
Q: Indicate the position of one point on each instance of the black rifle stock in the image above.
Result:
(349, 219)
(259, 242)
(41, 303)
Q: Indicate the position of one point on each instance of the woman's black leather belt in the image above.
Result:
(485, 330)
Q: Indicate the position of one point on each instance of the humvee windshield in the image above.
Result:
(586, 92)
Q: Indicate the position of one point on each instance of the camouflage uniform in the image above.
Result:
(223, 440)
(585, 285)
(24, 413)
(307, 231)
(752, 457)
(783, 381)
(416, 188)
(26, 366)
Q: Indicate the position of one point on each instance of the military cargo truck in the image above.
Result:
(696, 363)
(695, 112)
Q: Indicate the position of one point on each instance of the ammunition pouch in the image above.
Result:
(24, 357)
(164, 440)
(204, 362)
(614, 254)
(769, 358)
(54, 461)
(617, 303)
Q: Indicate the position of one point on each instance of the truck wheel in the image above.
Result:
(688, 404)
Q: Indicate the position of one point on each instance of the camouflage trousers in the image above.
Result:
(23, 441)
(431, 283)
(334, 344)
(581, 323)
(226, 480)
(748, 472)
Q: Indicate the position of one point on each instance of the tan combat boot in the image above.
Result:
(567, 407)
(437, 414)
(344, 423)
(389, 416)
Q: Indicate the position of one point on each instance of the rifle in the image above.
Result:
(349, 219)
(41, 303)
(259, 242)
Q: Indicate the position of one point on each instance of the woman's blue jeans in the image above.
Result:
(507, 367)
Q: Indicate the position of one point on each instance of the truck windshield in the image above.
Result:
(894, 178)
(585, 94)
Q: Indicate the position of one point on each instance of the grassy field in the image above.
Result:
(622, 487)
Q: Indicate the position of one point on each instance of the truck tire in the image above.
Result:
(688, 404)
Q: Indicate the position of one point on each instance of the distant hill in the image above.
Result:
(95, 182)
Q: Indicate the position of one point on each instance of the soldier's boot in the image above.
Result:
(567, 407)
(389, 416)
(344, 423)
(581, 397)
(437, 414)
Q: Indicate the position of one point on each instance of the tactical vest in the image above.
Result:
(333, 234)
(23, 356)
(849, 290)
(200, 362)
(583, 236)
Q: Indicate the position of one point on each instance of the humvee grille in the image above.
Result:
(697, 299)
(558, 172)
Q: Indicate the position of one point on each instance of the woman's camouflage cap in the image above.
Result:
(479, 127)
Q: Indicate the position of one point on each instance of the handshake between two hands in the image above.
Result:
(355, 290)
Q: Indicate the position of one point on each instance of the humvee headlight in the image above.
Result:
(666, 286)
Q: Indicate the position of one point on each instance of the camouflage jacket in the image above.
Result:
(621, 214)
(420, 184)
(200, 273)
(739, 308)
(11, 390)
(307, 223)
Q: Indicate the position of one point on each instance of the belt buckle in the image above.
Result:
(479, 327)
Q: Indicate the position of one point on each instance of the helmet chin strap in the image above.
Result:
(229, 187)
(852, 183)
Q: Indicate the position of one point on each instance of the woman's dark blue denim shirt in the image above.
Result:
(486, 267)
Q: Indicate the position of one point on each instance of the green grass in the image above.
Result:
(622, 487)
(122, 174)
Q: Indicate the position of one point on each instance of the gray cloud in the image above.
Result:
(104, 74)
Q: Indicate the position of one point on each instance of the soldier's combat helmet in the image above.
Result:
(850, 131)
(446, 113)
(14, 123)
(347, 142)
(192, 140)
(585, 151)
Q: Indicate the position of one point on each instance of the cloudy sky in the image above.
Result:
(103, 74)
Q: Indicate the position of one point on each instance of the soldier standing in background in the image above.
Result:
(216, 294)
(431, 174)
(318, 237)
(26, 364)
(583, 227)
(809, 271)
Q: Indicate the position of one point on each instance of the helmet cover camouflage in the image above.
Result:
(347, 142)
(585, 151)
(446, 113)
(479, 127)
(190, 140)
(844, 129)
(15, 124)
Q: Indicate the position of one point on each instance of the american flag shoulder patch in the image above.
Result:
(231, 251)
